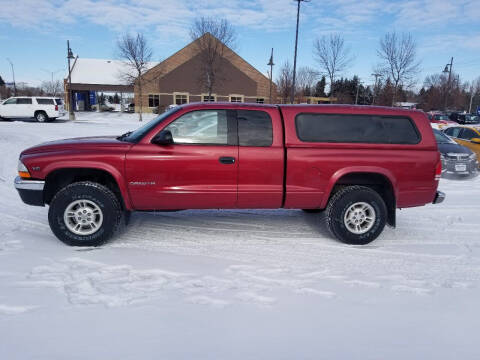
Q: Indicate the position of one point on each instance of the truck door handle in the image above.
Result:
(227, 160)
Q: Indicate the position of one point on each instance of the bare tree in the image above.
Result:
(136, 55)
(398, 60)
(212, 37)
(306, 79)
(333, 56)
(284, 81)
(52, 87)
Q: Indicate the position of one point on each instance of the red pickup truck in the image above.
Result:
(358, 163)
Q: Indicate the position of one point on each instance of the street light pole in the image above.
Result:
(448, 68)
(13, 75)
(70, 56)
(270, 63)
(356, 96)
(471, 98)
(377, 75)
(292, 97)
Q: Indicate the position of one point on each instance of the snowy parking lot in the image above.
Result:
(236, 284)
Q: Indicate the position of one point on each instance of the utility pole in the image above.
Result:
(13, 75)
(377, 75)
(356, 96)
(70, 56)
(448, 69)
(292, 97)
(270, 63)
(471, 98)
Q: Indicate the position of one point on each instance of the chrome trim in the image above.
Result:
(439, 197)
(23, 184)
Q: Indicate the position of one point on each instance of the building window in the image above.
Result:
(260, 101)
(153, 100)
(206, 98)
(180, 98)
(236, 98)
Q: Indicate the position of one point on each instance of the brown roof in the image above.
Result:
(189, 51)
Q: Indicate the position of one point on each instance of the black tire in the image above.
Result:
(41, 116)
(92, 192)
(313, 211)
(342, 201)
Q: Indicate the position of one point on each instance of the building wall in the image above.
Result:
(180, 73)
(185, 79)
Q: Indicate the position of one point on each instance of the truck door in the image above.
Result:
(8, 107)
(261, 159)
(24, 108)
(197, 171)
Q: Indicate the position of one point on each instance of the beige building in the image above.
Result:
(176, 80)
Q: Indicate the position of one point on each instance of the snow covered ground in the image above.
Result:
(235, 284)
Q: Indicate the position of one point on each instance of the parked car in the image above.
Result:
(103, 107)
(462, 118)
(468, 136)
(41, 108)
(130, 108)
(358, 163)
(441, 119)
(456, 159)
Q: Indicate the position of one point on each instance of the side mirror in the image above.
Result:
(164, 137)
(475, 140)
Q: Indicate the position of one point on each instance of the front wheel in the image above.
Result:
(356, 215)
(84, 214)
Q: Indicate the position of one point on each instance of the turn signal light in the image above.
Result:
(23, 171)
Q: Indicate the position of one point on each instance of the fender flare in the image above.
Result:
(357, 169)
(117, 175)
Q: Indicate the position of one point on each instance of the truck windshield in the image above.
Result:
(137, 135)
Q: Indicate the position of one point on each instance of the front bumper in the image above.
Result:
(460, 167)
(30, 191)
(439, 197)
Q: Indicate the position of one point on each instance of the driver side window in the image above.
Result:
(201, 127)
(10, 102)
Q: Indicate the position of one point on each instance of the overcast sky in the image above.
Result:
(33, 33)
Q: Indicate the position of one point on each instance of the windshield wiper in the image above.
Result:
(123, 136)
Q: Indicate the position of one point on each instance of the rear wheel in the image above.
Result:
(356, 215)
(84, 214)
(41, 116)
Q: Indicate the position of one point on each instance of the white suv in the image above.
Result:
(41, 108)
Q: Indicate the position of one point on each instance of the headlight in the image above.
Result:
(472, 156)
(23, 171)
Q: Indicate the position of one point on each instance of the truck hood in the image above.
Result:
(83, 143)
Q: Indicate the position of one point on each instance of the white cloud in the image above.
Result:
(123, 15)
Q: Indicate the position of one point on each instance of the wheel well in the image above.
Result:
(58, 179)
(378, 182)
(38, 111)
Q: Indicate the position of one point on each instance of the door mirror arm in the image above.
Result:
(163, 138)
